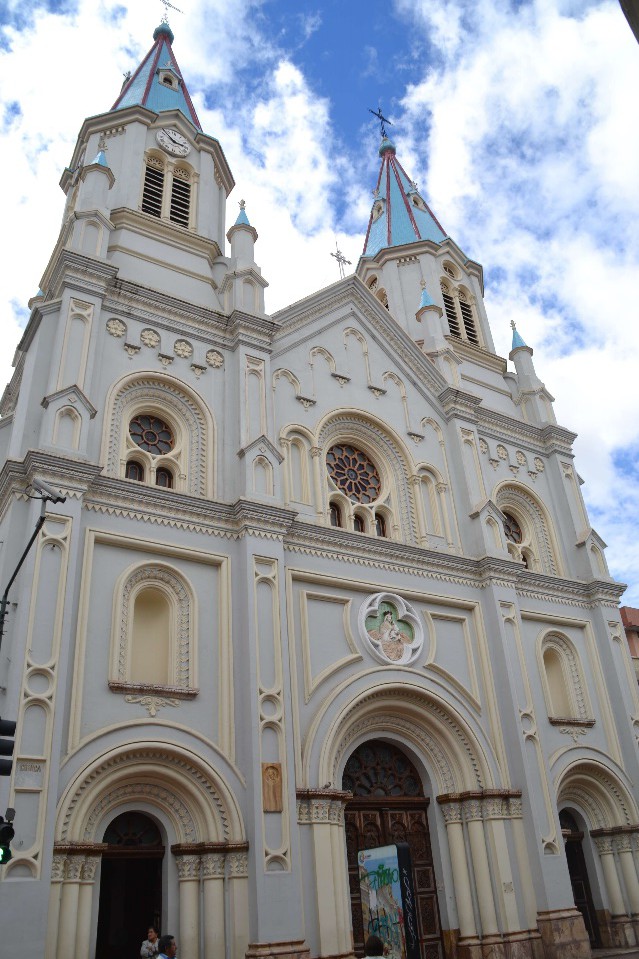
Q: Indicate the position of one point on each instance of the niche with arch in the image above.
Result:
(153, 631)
(563, 681)
(528, 532)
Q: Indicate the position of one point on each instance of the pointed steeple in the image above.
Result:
(399, 214)
(157, 83)
(517, 340)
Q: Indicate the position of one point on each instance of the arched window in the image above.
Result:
(134, 471)
(164, 477)
(458, 306)
(335, 515)
(158, 424)
(380, 525)
(562, 680)
(527, 530)
(358, 523)
(153, 189)
(152, 638)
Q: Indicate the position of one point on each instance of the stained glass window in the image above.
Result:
(512, 529)
(353, 473)
(151, 434)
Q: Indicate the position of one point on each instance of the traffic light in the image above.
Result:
(7, 732)
(7, 832)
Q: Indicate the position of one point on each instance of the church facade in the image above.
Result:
(323, 581)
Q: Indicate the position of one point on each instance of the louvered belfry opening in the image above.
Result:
(152, 192)
(180, 202)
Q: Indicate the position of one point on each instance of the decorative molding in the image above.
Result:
(152, 703)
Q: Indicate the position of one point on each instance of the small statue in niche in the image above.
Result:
(389, 633)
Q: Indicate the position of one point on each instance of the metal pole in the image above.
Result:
(5, 596)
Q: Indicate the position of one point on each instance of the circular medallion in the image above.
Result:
(391, 628)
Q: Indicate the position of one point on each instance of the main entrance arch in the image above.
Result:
(130, 885)
(389, 807)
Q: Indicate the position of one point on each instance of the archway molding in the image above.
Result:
(413, 718)
(198, 802)
(599, 793)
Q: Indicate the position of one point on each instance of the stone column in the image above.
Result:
(323, 811)
(316, 453)
(340, 872)
(623, 845)
(188, 866)
(68, 920)
(527, 887)
(212, 867)
(472, 807)
(609, 868)
(57, 879)
(237, 860)
(451, 808)
(85, 900)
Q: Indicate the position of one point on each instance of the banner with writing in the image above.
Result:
(388, 899)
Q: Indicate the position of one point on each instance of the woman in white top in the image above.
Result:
(150, 944)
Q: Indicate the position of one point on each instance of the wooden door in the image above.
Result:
(381, 814)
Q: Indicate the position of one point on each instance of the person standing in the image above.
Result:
(150, 946)
(168, 947)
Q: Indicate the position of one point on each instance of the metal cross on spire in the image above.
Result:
(382, 119)
(342, 261)
(168, 6)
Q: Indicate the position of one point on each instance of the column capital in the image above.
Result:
(188, 867)
(212, 865)
(238, 864)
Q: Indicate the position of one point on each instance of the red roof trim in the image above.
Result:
(160, 43)
(370, 219)
(388, 202)
(406, 200)
(133, 78)
(425, 204)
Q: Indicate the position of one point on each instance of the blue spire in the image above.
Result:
(517, 340)
(399, 214)
(242, 218)
(426, 299)
(157, 83)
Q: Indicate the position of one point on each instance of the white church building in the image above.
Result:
(323, 581)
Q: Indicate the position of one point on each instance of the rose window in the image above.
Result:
(353, 473)
(512, 529)
(151, 434)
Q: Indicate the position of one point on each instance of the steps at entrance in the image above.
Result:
(631, 953)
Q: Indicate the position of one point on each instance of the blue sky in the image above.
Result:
(517, 119)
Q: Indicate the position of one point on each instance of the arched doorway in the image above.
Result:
(130, 885)
(573, 839)
(388, 807)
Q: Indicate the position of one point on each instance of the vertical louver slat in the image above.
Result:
(152, 192)
(180, 202)
(451, 314)
(469, 322)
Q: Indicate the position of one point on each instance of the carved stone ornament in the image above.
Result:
(183, 348)
(215, 359)
(116, 327)
(152, 703)
(391, 629)
(150, 338)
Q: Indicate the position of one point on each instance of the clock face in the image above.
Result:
(173, 142)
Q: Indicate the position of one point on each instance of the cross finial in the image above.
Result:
(168, 6)
(341, 259)
(102, 142)
(513, 325)
(382, 120)
(242, 204)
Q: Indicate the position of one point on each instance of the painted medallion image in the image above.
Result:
(392, 628)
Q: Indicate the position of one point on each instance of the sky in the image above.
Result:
(517, 119)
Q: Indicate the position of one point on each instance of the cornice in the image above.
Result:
(548, 439)
(460, 403)
(133, 301)
(67, 267)
(477, 355)
(169, 233)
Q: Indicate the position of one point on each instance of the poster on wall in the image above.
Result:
(388, 899)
